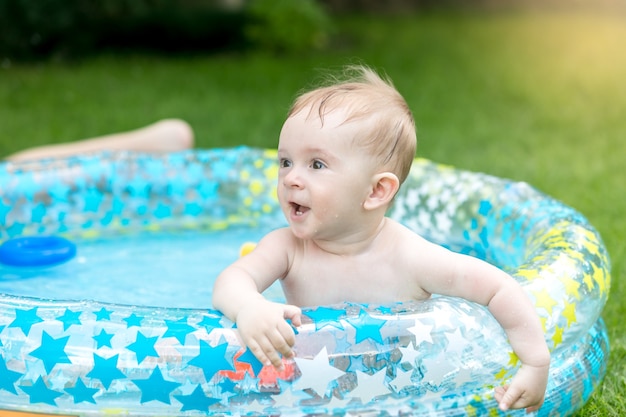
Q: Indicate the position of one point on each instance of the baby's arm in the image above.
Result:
(514, 311)
(478, 281)
(260, 322)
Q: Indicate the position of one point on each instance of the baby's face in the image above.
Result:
(324, 178)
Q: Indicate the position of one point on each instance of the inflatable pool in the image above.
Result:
(443, 356)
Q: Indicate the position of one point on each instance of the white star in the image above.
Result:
(317, 373)
(338, 404)
(421, 332)
(409, 355)
(369, 386)
(286, 398)
(436, 370)
(456, 342)
(432, 203)
(464, 375)
(443, 222)
(444, 313)
(402, 379)
(423, 219)
(256, 407)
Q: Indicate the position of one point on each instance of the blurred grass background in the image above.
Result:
(532, 94)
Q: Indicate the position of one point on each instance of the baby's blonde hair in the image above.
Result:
(391, 139)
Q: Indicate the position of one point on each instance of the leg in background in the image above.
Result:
(167, 135)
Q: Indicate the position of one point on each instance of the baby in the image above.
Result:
(343, 152)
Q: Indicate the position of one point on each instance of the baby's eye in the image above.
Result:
(284, 163)
(318, 165)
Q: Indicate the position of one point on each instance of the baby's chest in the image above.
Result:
(324, 282)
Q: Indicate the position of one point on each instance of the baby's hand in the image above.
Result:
(263, 328)
(527, 389)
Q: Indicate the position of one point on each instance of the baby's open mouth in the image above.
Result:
(298, 209)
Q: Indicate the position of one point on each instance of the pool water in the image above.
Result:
(172, 269)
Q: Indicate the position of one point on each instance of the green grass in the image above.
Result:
(538, 97)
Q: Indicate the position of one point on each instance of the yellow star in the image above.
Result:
(588, 280)
(502, 374)
(543, 299)
(576, 255)
(271, 172)
(256, 187)
(569, 312)
(602, 278)
(558, 336)
(471, 411)
(571, 286)
(513, 359)
(591, 244)
(527, 274)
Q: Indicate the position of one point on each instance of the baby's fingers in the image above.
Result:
(507, 397)
(265, 352)
(513, 397)
(272, 347)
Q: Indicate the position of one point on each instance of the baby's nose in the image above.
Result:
(292, 179)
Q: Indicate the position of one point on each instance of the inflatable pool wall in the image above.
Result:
(443, 356)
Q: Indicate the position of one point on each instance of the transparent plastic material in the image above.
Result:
(443, 356)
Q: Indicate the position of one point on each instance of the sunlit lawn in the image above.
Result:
(532, 96)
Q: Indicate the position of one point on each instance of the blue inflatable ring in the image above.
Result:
(36, 251)
(440, 357)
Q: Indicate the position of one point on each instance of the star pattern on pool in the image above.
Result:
(317, 373)
(196, 363)
(143, 347)
(215, 360)
(82, 393)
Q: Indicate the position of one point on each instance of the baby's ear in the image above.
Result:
(384, 187)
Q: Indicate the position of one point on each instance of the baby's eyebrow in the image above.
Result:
(321, 152)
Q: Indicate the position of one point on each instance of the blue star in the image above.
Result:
(324, 316)
(40, 393)
(155, 387)
(384, 309)
(367, 327)
(208, 189)
(177, 186)
(59, 191)
(4, 210)
(143, 346)
(37, 213)
(566, 402)
(102, 314)
(249, 358)
(162, 211)
(138, 188)
(211, 322)
(103, 339)
(196, 400)
(81, 392)
(24, 319)
(51, 351)
(211, 359)
(178, 329)
(193, 209)
(133, 320)
(485, 207)
(227, 385)
(69, 317)
(105, 370)
(7, 377)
